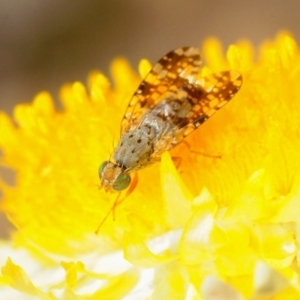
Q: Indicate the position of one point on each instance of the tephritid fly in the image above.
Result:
(168, 105)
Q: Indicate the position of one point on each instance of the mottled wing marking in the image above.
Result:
(170, 73)
(204, 104)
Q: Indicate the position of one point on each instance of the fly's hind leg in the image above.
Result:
(177, 160)
(200, 152)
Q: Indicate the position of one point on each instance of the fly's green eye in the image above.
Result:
(122, 182)
(101, 168)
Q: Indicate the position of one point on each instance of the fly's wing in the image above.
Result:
(170, 73)
(197, 105)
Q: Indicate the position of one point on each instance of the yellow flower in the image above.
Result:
(224, 223)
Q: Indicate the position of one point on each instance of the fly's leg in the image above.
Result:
(111, 210)
(131, 188)
(117, 202)
(200, 152)
(177, 160)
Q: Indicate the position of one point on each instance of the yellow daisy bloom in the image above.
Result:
(221, 225)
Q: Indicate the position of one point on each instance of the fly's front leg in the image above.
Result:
(117, 202)
(131, 188)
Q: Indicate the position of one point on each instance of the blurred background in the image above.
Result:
(46, 43)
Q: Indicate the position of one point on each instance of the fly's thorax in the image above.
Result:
(113, 176)
(136, 147)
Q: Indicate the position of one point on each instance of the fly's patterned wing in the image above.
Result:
(168, 75)
(201, 104)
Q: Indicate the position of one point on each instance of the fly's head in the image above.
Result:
(113, 177)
